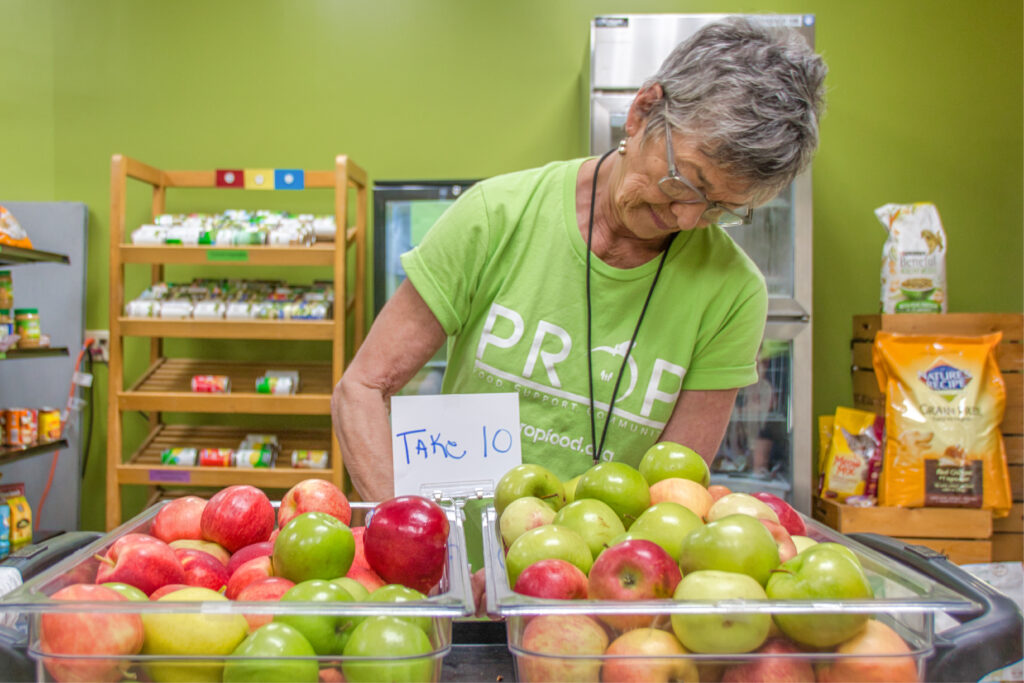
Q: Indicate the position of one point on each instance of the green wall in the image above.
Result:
(925, 104)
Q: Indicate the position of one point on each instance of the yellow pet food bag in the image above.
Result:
(944, 401)
(854, 446)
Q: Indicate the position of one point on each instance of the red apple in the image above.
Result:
(179, 519)
(251, 551)
(647, 655)
(876, 656)
(202, 569)
(91, 634)
(562, 647)
(128, 539)
(369, 579)
(406, 542)
(552, 579)
(237, 516)
(788, 517)
(718, 491)
(206, 546)
(787, 549)
(314, 495)
(164, 590)
(143, 561)
(767, 668)
(266, 589)
(636, 569)
(255, 569)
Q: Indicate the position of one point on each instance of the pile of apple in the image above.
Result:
(231, 547)
(617, 533)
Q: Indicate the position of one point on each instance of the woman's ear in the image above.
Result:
(641, 107)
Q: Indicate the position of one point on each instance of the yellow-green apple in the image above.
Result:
(202, 569)
(529, 480)
(802, 543)
(777, 661)
(179, 519)
(737, 543)
(718, 632)
(193, 634)
(327, 632)
(618, 485)
(550, 540)
(630, 571)
(384, 648)
(740, 504)
(207, 547)
(268, 589)
(523, 514)
(90, 634)
(718, 490)
(667, 524)
(313, 545)
(592, 519)
(255, 569)
(562, 647)
(788, 517)
(552, 579)
(406, 542)
(277, 654)
(787, 549)
(825, 571)
(570, 488)
(129, 592)
(237, 516)
(314, 495)
(648, 655)
(243, 555)
(142, 561)
(667, 459)
(358, 591)
(396, 592)
(873, 654)
(164, 590)
(689, 494)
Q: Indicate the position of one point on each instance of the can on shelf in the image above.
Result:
(254, 457)
(49, 425)
(211, 384)
(6, 289)
(185, 457)
(22, 425)
(309, 460)
(270, 384)
(216, 457)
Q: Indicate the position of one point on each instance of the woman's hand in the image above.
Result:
(479, 584)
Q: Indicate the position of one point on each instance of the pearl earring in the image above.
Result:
(622, 146)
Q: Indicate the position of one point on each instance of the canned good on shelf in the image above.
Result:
(254, 457)
(277, 384)
(312, 460)
(26, 326)
(216, 457)
(211, 384)
(186, 457)
(49, 425)
(21, 426)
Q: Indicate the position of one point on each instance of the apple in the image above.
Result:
(802, 543)
(523, 514)
(314, 495)
(787, 549)
(871, 655)
(528, 480)
(396, 592)
(202, 569)
(592, 519)
(770, 667)
(179, 519)
(237, 516)
(406, 542)
(368, 578)
(358, 591)
(740, 504)
(284, 657)
(313, 545)
(667, 459)
(129, 592)
(548, 541)
(825, 571)
(570, 488)
(648, 655)
(268, 589)
(788, 517)
(629, 571)
(622, 487)
(667, 524)
(207, 547)
(737, 543)
(552, 579)
(255, 569)
(718, 632)
(193, 634)
(90, 634)
(717, 491)
(689, 494)
(396, 644)
(327, 633)
(243, 555)
(164, 590)
(559, 647)
(146, 563)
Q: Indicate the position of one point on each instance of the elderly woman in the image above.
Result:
(604, 291)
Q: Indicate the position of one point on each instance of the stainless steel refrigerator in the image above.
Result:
(767, 446)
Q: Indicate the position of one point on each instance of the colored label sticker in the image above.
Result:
(259, 179)
(230, 178)
(289, 179)
(169, 475)
(227, 255)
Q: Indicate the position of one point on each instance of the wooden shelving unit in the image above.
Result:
(164, 387)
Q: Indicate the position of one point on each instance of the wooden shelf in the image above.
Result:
(9, 454)
(42, 352)
(319, 254)
(289, 330)
(13, 256)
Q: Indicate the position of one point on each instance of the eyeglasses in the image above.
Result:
(680, 190)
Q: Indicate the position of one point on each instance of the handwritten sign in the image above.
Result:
(453, 443)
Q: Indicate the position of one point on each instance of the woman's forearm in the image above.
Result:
(360, 417)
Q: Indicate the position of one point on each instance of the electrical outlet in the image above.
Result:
(100, 349)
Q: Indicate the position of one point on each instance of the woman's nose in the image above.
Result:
(688, 216)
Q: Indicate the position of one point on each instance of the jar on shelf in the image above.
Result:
(6, 289)
(26, 326)
(6, 323)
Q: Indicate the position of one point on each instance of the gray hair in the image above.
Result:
(751, 93)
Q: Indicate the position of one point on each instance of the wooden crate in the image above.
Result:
(1006, 541)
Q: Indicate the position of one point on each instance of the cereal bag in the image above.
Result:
(11, 232)
(944, 401)
(913, 259)
(852, 454)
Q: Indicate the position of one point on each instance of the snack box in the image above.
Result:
(31, 602)
(912, 595)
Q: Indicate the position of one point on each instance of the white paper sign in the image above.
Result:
(453, 443)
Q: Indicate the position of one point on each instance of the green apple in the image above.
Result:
(802, 543)
(528, 480)
(595, 521)
(720, 633)
(570, 488)
(191, 633)
(327, 633)
(737, 543)
(313, 545)
(825, 571)
(551, 540)
(276, 641)
(397, 644)
(357, 590)
(128, 591)
(622, 487)
(521, 515)
(396, 592)
(667, 524)
(667, 459)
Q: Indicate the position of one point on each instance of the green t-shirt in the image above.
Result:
(504, 271)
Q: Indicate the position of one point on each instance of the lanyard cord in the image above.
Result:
(599, 446)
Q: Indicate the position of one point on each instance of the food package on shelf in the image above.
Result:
(236, 227)
(913, 259)
(11, 232)
(853, 457)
